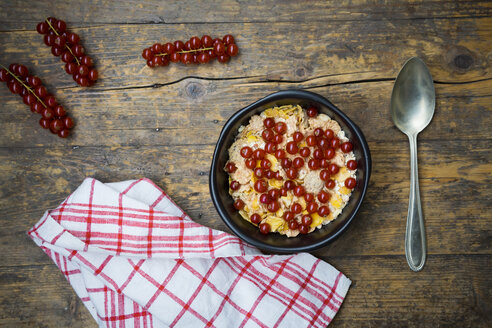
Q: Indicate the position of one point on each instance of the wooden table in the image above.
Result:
(163, 124)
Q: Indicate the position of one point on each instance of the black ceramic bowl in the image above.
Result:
(275, 242)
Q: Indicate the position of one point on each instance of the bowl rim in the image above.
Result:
(299, 94)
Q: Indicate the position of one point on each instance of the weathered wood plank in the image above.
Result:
(131, 117)
(455, 192)
(451, 291)
(455, 50)
(16, 15)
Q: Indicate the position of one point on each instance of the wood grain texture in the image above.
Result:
(163, 124)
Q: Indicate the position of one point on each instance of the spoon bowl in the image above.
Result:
(413, 101)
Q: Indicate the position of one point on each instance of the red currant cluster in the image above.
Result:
(321, 148)
(34, 94)
(66, 44)
(195, 50)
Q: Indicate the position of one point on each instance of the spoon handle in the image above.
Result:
(415, 249)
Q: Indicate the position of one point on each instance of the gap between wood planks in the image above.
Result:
(80, 25)
(325, 257)
(375, 80)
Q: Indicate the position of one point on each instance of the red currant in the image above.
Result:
(291, 173)
(266, 164)
(329, 153)
(335, 143)
(280, 153)
(318, 154)
(350, 183)
(323, 196)
(306, 220)
(250, 163)
(265, 199)
(352, 165)
(238, 204)
(330, 184)
(265, 228)
(291, 147)
(255, 218)
(231, 167)
(286, 163)
(299, 191)
(232, 50)
(303, 229)
(323, 211)
(274, 206)
(259, 173)
(297, 136)
(259, 154)
(305, 151)
(311, 141)
(235, 185)
(313, 164)
(280, 127)
(270, 147)
(308, 197)
(228, 39)
(346, 147)
(329, 134)
(274, 194)
(289, 184)
(324, 175)
(288, 216)
(333, 168)
(278, 138)
(269, 122)
(296, 208)
(312, 112)
(298, 162)
(267, 134)
(293, 225)
(261, 186)
(318, 132)
(312, 207)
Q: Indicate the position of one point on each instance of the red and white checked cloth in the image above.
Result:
(136, 259)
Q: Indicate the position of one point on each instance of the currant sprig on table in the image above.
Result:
(66, 45)
(193, 51)
(35, 95)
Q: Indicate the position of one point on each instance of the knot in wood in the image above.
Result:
(195, 90)
(300, 71)
(463, 61)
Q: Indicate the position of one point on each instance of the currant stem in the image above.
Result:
(54, 30)
(25, 85)
(186, 51)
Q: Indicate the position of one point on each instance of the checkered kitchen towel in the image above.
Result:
(136, 259)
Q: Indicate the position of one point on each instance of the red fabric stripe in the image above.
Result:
(326, 302)
(195, 293)
(121, 309)
(89, 216)
(322, 284)
(135, 269)
(180, 242)
(149, 237)
(53, 241)
(120, 224)
(101, 267)
(252, 276)
(299, 291)
(264, 292)
(160, 287)
(225, 298)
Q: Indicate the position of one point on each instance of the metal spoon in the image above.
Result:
(412, 106)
